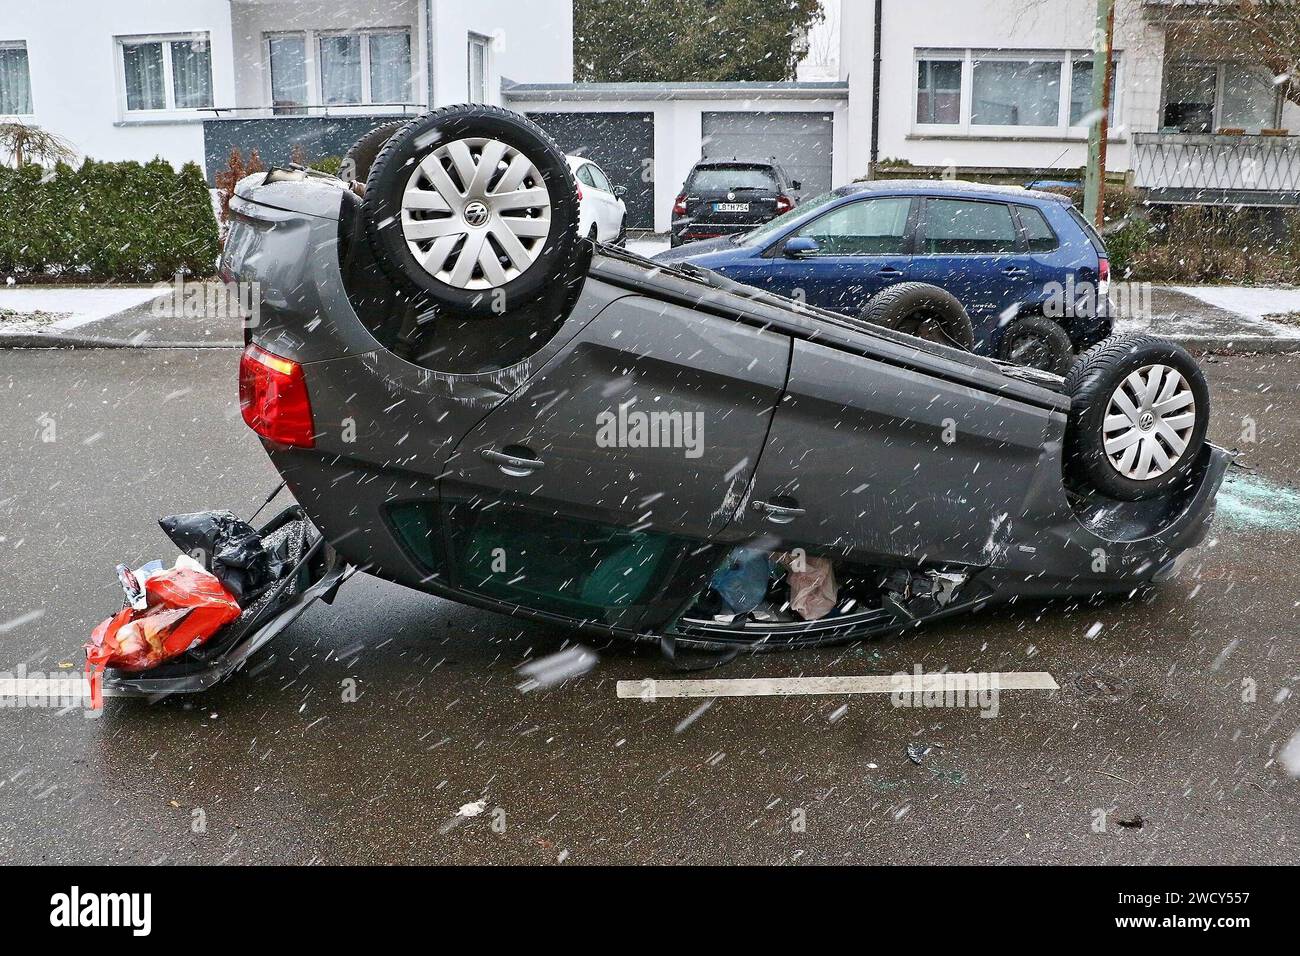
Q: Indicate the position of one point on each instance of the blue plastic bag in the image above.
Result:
(742, 580)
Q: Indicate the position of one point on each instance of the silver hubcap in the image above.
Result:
(1149, 422)
(475, 213)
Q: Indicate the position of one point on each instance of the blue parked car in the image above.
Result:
(1028, 274)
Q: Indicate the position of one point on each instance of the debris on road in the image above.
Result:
(230, 548)
(184, 606)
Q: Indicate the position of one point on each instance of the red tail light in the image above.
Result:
(679, 207)
(579, 194)
(273, 398)
(784, 203)
(1103, 276)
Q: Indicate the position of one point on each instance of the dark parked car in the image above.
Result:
(725, 197)
(467, 397)
(1031, 273)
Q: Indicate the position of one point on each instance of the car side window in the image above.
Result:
(868, 227)
(584, 177)
(1038, 231)
(598, 178)
(967, 227)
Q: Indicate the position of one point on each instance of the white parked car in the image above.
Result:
(601, 213)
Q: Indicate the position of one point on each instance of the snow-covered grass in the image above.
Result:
(62, 309)
(1252, 302)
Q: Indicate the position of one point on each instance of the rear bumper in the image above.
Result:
(689, 230)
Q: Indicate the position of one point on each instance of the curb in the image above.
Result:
(1238, 346)
(63, 340)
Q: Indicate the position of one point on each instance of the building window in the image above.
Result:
(1081, 92)
(1208, 97)
(938, 91)
(390, 67)
(15, 79)
(1015, 93)
(166, 72)
(479, 47)
(340, 70)
(373, 67)
(1190, 91)
(990, 93)
(368, 67)
(288, 58)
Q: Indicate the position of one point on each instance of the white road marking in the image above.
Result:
(649, 689)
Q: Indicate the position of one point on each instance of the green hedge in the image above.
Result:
(122, 222)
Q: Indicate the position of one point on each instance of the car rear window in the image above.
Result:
(1088, 231)
(960, 227)
(1037, 230)
(731, 177)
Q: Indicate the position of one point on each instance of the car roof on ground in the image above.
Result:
(949, 187)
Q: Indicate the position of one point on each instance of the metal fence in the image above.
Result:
(1213, 169)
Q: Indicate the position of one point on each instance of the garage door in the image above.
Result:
(799, 142)
(622, 144)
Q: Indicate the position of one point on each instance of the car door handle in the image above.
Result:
(516, 465)
(1014, 271)
(889, 271)
(778, 514)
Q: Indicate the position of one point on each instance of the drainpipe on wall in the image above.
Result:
(875, 94)
(428, 42)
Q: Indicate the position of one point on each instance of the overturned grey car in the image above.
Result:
(467, 397)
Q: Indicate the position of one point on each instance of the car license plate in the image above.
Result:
(731, 207)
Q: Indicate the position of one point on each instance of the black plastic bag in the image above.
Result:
(230, 548)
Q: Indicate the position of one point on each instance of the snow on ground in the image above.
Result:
(31, 308)
(1254, 303)
(648, 247)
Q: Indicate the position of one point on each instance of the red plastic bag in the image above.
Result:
(185, 608)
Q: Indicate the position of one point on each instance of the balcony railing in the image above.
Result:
(313, 109)
(1205, 169)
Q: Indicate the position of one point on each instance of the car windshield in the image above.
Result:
(718, 178)
(766, 232)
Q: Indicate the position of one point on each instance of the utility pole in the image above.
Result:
(1103, 44)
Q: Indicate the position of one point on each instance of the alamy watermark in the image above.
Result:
(1075, 298)
(237, 301)
(978, 691)
(632, 428)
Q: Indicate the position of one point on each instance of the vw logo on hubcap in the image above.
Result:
(1146, 421)
(476, 213)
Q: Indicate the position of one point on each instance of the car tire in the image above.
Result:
(481, 251)
(1038, 342)
(1135, 431)
(361, 154)
(621, 239)
(923, 310)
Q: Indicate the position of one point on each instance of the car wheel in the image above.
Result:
(1139, 410)
(361, 154)
(923, 310)
(473, 209)
(1038, 342)
(621, 239)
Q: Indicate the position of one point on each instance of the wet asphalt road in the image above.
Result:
(275, 766)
